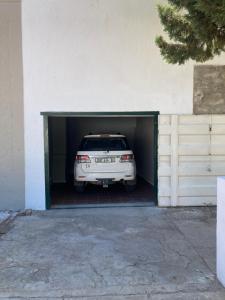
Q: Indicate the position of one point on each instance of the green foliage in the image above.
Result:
(196, 29)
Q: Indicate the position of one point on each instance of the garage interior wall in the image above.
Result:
(144, 148)
(58, 148)
(139, 132)
(11, 108)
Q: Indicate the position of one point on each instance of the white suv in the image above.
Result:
(104, 159)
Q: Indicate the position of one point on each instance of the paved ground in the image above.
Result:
(111, 254)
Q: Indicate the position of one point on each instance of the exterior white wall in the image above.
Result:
(12, 195)
(99, 55)
(93, 55)
(220, 230)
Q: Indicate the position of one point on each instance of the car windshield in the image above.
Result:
(104, 144)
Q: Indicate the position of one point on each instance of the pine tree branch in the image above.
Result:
(196, 29)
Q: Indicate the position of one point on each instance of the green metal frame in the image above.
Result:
(46, 116)
(102, 114)
(46, 154)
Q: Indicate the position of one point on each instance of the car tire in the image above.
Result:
(80, 188)
(130, 188)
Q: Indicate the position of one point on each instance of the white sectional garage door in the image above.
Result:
(191, 156)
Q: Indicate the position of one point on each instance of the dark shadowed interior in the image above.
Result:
(65, 135)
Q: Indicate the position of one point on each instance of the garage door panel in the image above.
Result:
(218, 168)
(165, 140)
(196, 150)
(164, 201)
(190, 181)
(164, 192)
(194, 168)
(218, 144)
(218, 119)
(165, 159)
(220, 158)
(165, 129)
(165, 119)
(164, 150)
(197, 157)
(218, 139)
(164, 171)
(164, 165)
(164, 186)
(194, 158)
(197, 190)
(194, 140)
(198, 129)
(164, 181)
(218, 149)
(218, 129)
(208, 168)
(191, 119)
(196, 201)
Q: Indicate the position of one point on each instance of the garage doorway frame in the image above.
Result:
(47, 115)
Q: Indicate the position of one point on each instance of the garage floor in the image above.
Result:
(111, 254)
(65, 195)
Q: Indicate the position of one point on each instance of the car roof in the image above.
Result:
(104, 135)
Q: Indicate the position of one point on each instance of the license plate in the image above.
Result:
(105, 160)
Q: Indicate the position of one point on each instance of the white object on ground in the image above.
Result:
(4, 215)
(221, 229)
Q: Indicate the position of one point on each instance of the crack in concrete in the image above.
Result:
(191, 244)
(99, 275)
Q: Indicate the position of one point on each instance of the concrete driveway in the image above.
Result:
(111, 253)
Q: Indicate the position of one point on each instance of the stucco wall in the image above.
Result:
(93, 55)
(99, 55)
(11, 108)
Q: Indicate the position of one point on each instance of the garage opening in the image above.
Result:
(63, 136)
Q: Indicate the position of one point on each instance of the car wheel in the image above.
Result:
(130, 188)
(80, 188)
